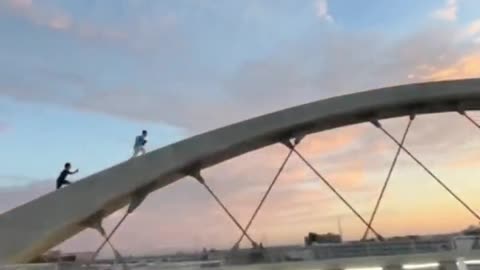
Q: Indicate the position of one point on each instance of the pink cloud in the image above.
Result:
(172, 218)
(464, 159)
(4, 127)
(468, 66)
(321, 10)
(11, 197)
(61, 23)
(331, 141)
(54, 19)
(60, 20)
(183, 216)
(20, 4)
(449, 12)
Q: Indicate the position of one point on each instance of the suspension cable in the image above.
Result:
(387, 180)
(324, 180)
(202, 181)
(275, 178)
(107, 238)
(136, 199)
(118, 256)
(378, 125)
(469, 118)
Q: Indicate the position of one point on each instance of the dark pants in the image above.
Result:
(61, 182)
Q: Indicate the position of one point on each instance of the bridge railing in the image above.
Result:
(365, 249)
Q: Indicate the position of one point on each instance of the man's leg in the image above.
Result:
(135, 152)
(142, 150)
(61, 183)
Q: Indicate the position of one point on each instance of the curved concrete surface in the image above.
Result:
(31, 229)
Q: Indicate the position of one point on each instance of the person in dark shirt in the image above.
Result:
(62, 178)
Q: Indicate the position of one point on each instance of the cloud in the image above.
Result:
(51, 18)
(143, 32)
(4, 127)
(239, 183)
(448, 12)
(59, 20)
(315, 66)
(468, 159)
(295, 207)
(466, 67)
(299, 202)
(195, 209)
(324, 64)
(331, 141)
(12, 196)
(20, 4)
(473, 28)
(318, 65)
(472, 31)
(321, 10)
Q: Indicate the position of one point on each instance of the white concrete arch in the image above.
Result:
(31, 229)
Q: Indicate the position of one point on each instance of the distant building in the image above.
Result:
(329, 238)
(58, 256)
(472, 230)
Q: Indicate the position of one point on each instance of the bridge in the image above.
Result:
(29, 230)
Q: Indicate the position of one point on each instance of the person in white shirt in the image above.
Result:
(139, 146)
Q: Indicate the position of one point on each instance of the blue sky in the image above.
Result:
(80, 79)
(60, 136)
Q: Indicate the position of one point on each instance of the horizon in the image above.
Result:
(173, 252)
(79, 80)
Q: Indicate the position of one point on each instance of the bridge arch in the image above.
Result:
(31, 229)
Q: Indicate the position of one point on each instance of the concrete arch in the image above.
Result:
(31, 229)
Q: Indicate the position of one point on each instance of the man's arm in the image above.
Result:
(74, 172)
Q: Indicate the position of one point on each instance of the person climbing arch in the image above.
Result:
(139, 146)
(62, 178)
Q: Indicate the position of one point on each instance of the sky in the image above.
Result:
(80, 79)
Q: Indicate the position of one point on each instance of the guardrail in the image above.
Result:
(366, 249)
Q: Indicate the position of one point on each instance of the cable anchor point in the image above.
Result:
(376, 123)
(288, 144)
(461, 109)
(95, 222)
(198, 176)
(137, 199)
(296, 141)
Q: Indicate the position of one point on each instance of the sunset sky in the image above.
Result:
(80, 79)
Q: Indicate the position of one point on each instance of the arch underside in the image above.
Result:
(31, 229)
